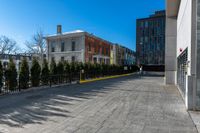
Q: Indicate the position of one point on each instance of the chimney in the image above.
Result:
(59, 29)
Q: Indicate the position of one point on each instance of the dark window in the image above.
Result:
(62, 59)
(73, 58)
(95, 60)
(53, 47)
(102, 50)
(108, 61)
(62, 47)
(107, 51)
(18, 57)
(89, 47)
(5, 64)
(19, 65)
(73, 45)
(141, 24)
(52, 58)
(96, 48)
(100, 60)
(90, 58)
(153, 32)
(146, 24)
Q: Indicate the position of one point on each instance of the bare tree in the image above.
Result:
(8, 46)
(37, 45)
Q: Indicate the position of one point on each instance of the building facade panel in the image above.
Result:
(97, 50)
(187, 45)
(150, 40)
(68, 48)
(129, 57)
(198, 53)
(119, 54)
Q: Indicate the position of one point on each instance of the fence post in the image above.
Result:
(82, 75)
(50, 81)
(70, 77)
(19, 87)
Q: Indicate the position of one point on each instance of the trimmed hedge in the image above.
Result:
(1, 75)
(24, 75)
(56, 73)
(45, 72)
(35, 73)
(11, 76)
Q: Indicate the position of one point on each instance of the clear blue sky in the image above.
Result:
(113, 20)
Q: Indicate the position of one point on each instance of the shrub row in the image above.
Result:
(41, 75)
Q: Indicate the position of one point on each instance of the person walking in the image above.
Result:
(141, 70)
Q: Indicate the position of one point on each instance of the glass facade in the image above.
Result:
(151, 39)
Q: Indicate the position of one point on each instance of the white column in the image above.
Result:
(170, 51)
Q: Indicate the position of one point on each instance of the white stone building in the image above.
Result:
(17, 58)
(183, 49)
(68, 50)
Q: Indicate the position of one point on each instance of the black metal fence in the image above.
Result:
(50, 81)
(72, 77)
(111, 72)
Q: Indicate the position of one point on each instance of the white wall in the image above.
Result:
(184, 29)
(68, 53)
(185, 39)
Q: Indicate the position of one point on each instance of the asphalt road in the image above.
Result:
(129, 104)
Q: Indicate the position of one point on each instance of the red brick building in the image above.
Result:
(97, 50)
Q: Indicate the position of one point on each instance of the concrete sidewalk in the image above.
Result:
(130, 104)
(195, 115)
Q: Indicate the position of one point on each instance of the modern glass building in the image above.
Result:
(150, 40)
(183, 49)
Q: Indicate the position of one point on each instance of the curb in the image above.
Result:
(104, 78)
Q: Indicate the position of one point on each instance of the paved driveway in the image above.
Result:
(124, 105)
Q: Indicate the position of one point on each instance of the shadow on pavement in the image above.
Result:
(37, 106)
